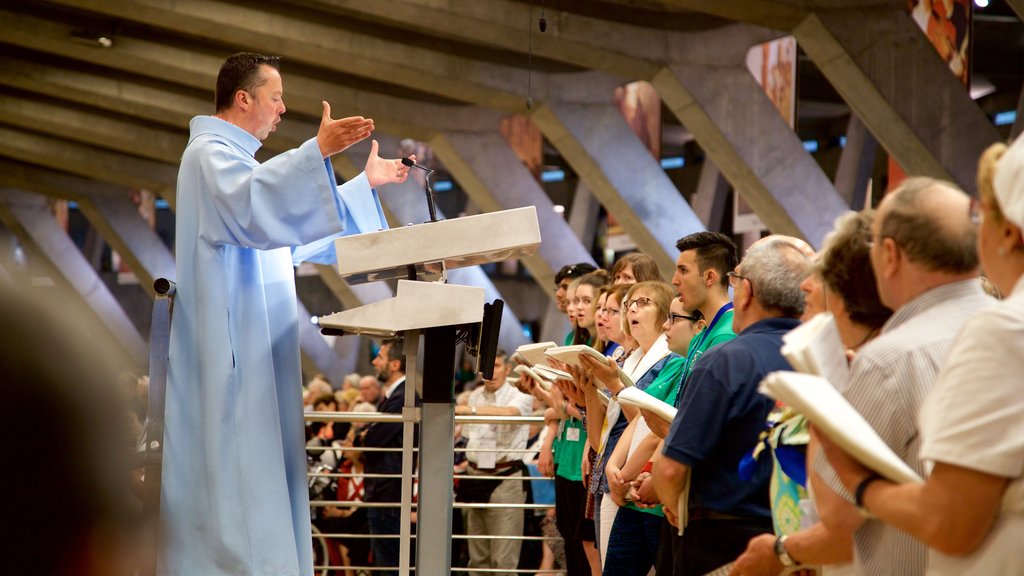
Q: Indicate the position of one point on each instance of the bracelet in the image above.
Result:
(862, 487)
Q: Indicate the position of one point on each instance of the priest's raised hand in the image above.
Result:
(336, 135)
(385, 171)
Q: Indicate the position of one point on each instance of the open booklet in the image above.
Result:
(532, 354)
(571, 355)
(814, 347)
(540, 380)
(640, 399)
(552, 374)
(828, 410)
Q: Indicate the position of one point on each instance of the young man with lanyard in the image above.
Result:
(701, 278)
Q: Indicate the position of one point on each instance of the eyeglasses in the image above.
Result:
(611, 311)
(673, 318)
(641, 302)
(734, 276)
(974, 211)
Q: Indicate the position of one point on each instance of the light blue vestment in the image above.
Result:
(234, 497)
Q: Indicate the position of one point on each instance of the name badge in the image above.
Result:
(572, 434)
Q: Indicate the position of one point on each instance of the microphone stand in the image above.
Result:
(431, 199)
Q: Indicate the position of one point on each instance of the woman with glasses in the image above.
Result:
(636, 532)
(970, 511)
(643, 316)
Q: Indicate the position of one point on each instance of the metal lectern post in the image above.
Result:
(437, 452)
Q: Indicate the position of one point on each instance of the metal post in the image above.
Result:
(437, 453)
(412, 341)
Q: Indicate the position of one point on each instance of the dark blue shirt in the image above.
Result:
(721, 416)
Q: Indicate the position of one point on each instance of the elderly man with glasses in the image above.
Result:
(721, 415)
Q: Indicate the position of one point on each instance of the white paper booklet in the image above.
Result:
(526, 370)
(533, 354)
(552, 374)
(814, 347)
(571, 355)
(640, 399)
(828, 410)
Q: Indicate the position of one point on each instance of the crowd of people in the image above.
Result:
(737, 482)
(740, 484)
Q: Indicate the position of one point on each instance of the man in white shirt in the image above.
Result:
(495, 450)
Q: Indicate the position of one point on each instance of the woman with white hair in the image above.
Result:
(970, 511)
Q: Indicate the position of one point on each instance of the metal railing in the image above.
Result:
(413, 415)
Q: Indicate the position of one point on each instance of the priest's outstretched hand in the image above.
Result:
(381, 171)
(336, 135)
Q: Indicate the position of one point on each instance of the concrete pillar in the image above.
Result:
(583, 216)
(317, 355)
(892, 78)
(596, 141)
(711, 197)
(757, 151)
(856, 164)
(117, 219)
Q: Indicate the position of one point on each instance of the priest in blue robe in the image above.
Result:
(234, 497)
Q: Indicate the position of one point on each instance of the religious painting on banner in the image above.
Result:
(640, 106)
(773, 65)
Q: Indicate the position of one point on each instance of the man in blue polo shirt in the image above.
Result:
(721, 415)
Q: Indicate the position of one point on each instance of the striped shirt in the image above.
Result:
(889, 379)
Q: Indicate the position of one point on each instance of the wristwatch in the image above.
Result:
(858, 493)
(782, 554)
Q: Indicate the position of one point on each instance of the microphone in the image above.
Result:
(430, 191)
(412, 164)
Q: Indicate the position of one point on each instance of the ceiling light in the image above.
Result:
(92, 39)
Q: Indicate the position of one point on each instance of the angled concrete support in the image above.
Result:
(856, 164)
(28, 216)
(495, 179)
(117, 220)
(892, 78)
(596, 141)
(735, 122)
(583, 216)
(317, 355)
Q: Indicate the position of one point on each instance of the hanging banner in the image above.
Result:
(773, 65)
(947, 24)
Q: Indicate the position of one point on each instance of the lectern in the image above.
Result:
(418, 255)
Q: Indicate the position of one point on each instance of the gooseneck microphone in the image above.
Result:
(412, 164)
(430, 191)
